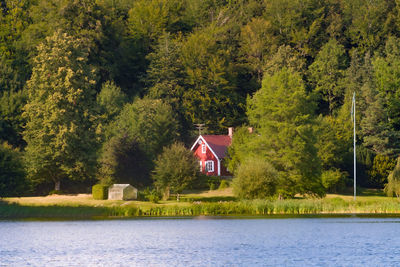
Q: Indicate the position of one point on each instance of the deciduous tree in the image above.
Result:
(175, 168)
(281, 112)
(327, 71)
(123, 161)
(60, 131)
(111, 101)
(150, 122)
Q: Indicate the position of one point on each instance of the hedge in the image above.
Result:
(100, 191)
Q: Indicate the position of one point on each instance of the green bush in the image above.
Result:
(334, 181)
(200, 182)
(213, 182)
(224, 184)
(255, 179)
(100, 191)
(393, 186)
(212, 186)
(203, 181)
(381, 168)
(151, 195)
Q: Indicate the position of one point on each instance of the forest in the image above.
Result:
(97, 90)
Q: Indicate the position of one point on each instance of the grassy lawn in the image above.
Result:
(193, 203)
(87, 200)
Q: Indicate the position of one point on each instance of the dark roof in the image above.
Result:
(218, 143)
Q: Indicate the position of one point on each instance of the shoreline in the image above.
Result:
(209, 217)
(291, 208)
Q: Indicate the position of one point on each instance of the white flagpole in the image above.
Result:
(354, 141)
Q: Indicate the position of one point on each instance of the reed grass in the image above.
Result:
(230, 208)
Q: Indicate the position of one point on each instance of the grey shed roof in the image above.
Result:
(121, 186)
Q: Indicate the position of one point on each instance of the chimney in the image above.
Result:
(250, 130)
(230, 132)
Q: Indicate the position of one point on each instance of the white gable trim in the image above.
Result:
(197, 141)
(202, 139)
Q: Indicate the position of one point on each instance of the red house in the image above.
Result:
(211, 150)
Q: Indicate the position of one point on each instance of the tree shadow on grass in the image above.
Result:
(371, 192)
(209, 199)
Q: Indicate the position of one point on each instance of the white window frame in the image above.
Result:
(201, 165)
(209, 166)
(203, 148)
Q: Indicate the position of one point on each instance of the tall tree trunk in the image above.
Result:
(166, 193)
(57, 185)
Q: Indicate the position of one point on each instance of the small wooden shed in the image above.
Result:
(122, 192)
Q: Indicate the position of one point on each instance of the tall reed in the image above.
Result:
(245, 207)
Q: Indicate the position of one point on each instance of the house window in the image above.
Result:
(203, 148)
(201, 165)
(210, 166)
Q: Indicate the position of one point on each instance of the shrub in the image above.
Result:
(213, 182)
(200, 182)
(381, 168)
(393, 185)
(100, 191)
(212, 186)
(224, 184)
(255, 178)
(151, 195)
(203, 181)
(334, 181)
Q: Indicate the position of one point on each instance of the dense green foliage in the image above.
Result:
(255, 179)
(392, 188)
(175, 168)
(111, 100)
(150, 121)
(60, 128)
(281, 113)
(134, 139)
(12, 173)
(333, 181)
(224, 184)
(124, 162)
(100, 191)
(205, 61)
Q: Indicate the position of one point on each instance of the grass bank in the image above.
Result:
(84, 207)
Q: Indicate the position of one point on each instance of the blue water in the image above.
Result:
(202, 242)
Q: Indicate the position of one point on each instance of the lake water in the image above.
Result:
(203, 242)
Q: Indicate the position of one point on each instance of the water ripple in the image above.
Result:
(244, 242)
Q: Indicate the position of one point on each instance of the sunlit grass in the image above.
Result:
(209, 203)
